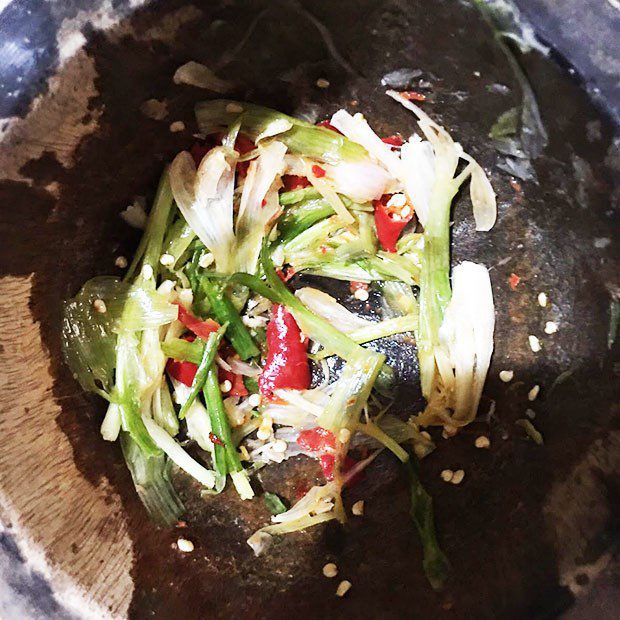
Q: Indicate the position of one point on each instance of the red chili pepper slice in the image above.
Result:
(182, 371)
(389, 222)
(318, 172)
(238, 386)
(287, 361)
(412, 95)
(316, 439)
(215, 439)
(328, 462)
(201, 328)
(199, 150)
(394, 140)
(243, 144)
(356, 286)
(514, 281)
(328, 125)
(294, 181)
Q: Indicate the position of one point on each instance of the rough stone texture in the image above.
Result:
(518, 551)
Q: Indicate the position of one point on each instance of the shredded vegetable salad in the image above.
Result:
(211, 362)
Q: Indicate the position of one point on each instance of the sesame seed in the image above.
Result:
(551, 327)
(254, 400)
(506, 375)
(186, 297)
(426, 435)
(99, 305)
(330, 570)
(397, 200)
(167, 260)
(226, 386)
(184, 545)
(233, 108)
(263, 434)
(206, 260)
(533, 393)
(121, 262)
(343, 588)
(482, 442)
(177, 126)
(530, 413)
(244, 454)
(447, 475)
(147, 272)
(358, 508)
(344, 435)
(542, 300)
(459, 474)
(477, 74)
(280, 446)
(361, 294)
(534, 343)
(322, 83)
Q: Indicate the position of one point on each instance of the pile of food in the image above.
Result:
(211, 362)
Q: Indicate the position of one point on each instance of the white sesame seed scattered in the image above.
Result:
(147, 272)
(361, 294)
(322, 83)
(121, 262)
(426, 435)
(184, 545)
(482, 442)
(459, 474)
(234, 108)
(280, 446)
(530, 413)
(186, 296)
(447, 475)
(206, 260)
(551, 327)
(506, 375)
(254, 400)
(177, 126)
(344, 435)
(243, 453)
(99, 305)
(226, 386)
(477, 73)
(542, 300)
(358, 508)
(397, 200)
(343, 588)
(534, 343)
(167, 260)
(533, 393)
(263, 434)
(330, 570)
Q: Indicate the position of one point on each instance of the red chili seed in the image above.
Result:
(318, 172)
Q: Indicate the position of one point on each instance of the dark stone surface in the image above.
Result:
(493, 527)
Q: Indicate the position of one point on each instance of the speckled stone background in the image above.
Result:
(585, 35)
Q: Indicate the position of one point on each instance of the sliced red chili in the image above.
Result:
(316, 439)
(182, 371)
(328, 463)
(514, 281)
(318, 172)
(328, 125)
(201, 328)
(287, 360)
(199, 150)
(294, 181)
(390, 222)
(238, 386)
(412, 95)
(394, 140)
(215, 439)
(243, 144)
